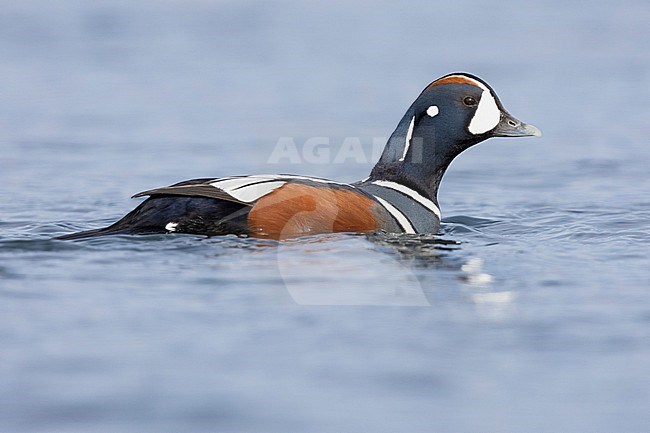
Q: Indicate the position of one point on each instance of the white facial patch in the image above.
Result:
(487, 114)
(433, 111)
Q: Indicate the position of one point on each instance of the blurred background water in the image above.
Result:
(530, 312)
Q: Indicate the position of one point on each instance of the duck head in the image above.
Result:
(451, 114)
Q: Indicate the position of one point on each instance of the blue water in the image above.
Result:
(529, 313)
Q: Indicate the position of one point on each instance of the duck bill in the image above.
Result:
(510, 127)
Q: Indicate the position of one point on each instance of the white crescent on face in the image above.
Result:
(487, 114)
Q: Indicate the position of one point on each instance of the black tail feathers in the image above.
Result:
(105, 231)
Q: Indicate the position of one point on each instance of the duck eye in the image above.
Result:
(469, 101)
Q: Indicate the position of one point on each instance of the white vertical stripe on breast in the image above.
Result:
(399, 216)
(410, 193)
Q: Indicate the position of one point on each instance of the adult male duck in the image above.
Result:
(451, 114)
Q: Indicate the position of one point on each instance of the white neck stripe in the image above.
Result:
(399, 216)
(409, 134)
(410, 193)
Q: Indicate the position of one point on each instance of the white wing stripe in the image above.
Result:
(399, 216)
(411, 193)
(251, 188)
(253, 192)
(229, 184)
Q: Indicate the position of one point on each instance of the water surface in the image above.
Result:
(529, 312)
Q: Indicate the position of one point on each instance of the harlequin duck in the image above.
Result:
(451, 114)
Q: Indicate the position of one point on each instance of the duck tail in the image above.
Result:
(105, 231)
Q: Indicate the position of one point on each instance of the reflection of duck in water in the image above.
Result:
(452, 114)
